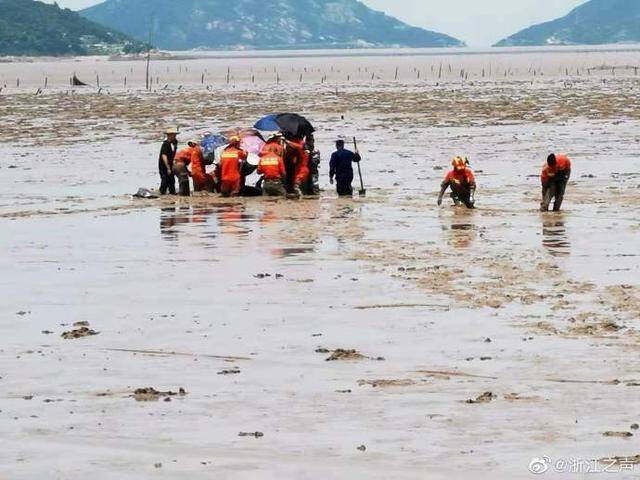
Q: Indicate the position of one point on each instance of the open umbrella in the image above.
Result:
(209, 144)
(291, 125)
(251, 144)
(242, 133)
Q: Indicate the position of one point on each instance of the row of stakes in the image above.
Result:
(464, 74)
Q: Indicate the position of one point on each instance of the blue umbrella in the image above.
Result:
(268, 124)
(210, 142)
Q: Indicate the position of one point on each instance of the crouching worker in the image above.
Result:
(230, 178)
(555, 176)
(462, 183)
(180, 162)
(271, 167)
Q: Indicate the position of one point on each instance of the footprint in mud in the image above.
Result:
(618, 434)
(231, 371)
(150, 394)
(387, 383)
(342, 354)
(251, 434)
(515, 397)
(486, 397)
(83, 330)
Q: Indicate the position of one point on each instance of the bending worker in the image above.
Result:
(165, 162)
(462, 183)
(555, 176)
(201, 179)
(271, 167)
(180, 162)
(230, 178)
(341, 168)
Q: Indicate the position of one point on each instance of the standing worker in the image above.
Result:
(555, 176)
(165, 162)
(230, 178)
(462, 183)
(341, 168)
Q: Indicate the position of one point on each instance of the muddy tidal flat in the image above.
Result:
(376, 337)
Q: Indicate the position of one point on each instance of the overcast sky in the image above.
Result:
(478, 22)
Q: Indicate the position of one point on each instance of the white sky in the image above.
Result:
(478, 22)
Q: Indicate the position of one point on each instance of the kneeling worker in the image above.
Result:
(271, 167)
(341, 167)
(230, 178)
(555, 176)
(462, 183)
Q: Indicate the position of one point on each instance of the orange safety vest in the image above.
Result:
(272, 167)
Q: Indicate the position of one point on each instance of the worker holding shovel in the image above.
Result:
(341, 168)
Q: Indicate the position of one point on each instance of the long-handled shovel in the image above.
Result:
(362, 192)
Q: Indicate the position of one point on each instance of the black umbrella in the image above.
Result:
(291, 125)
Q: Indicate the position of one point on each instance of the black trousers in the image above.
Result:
(554, 190)
(167, 180)
(462, 195)
(343, 186)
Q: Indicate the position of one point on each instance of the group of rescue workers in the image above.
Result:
(289, 167)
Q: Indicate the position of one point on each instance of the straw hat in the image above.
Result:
(172, 131)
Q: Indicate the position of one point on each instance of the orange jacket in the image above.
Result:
(563, 166)
(183, 155)
(272, 167)
(459, 178)
(274, 146)
(230, 164)
(300, 157)
(197, 162)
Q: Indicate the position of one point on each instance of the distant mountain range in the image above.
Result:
(28, 27)
(256, 24)
(594, 23)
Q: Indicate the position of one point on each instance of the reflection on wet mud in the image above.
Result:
(290, 252)
(459, 234)
(230, 219)
(555, 238)
(233, 220)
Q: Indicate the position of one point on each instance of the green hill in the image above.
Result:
(190, 24)
(28, 27)
(596, 22)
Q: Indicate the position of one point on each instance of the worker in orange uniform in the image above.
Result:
(462, 183)
(180, 163)
(555, 176)
(230, 178)
(274, 144)
(296, 161)
(271, 167)
(201, 179)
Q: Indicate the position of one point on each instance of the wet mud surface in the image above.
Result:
(459, 341)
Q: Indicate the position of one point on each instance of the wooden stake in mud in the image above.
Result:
(148, 66)
(362, 192)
